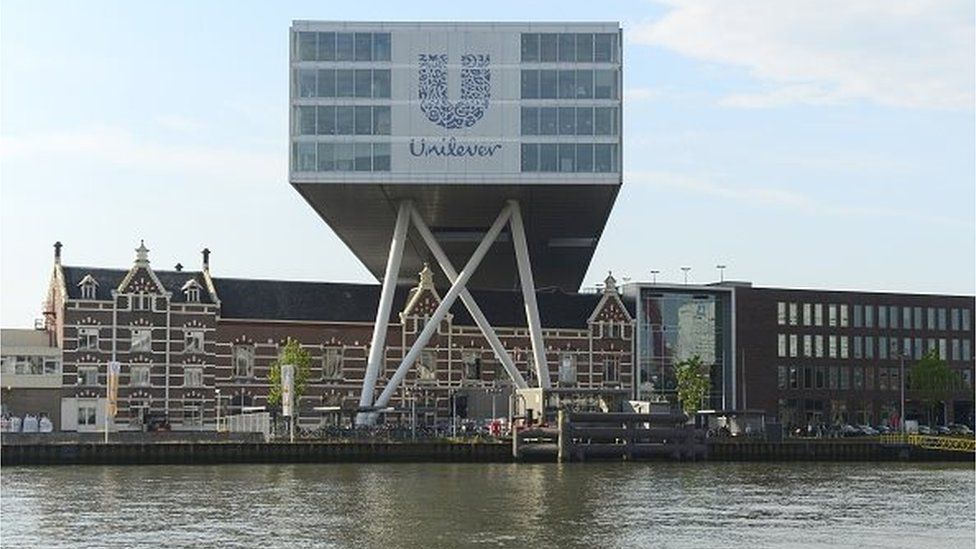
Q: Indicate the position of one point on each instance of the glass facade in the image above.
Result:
(676, 325)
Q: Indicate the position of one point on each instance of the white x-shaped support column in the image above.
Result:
(510, 213)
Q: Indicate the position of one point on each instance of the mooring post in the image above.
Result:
(563, 452)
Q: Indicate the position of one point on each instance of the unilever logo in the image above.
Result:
(475, 90)
(464, 113)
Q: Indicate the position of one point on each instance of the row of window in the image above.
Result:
(569, 84)
(142, 301)
(844, 378)
(569, 121)
(569, 157)
(361, 83)
(342, 120)
(866, 348)
(32, 365)
(139, 376)
(140, 340)
(888, 316)
(569, 48)
(341, 157)
(342, 46)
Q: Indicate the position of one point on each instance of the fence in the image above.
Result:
(955, 444)
(258, 422)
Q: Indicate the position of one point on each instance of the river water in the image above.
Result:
(491, 505)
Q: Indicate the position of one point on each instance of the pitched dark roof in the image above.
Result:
(109, 279)
(343, 302)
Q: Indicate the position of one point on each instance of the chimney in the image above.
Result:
(206, 259)
(57, 252)
(179, 267)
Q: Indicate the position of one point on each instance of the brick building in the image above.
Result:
(181, 336)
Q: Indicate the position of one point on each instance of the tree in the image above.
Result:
(291, 353)
(933, 381)
(693, 381)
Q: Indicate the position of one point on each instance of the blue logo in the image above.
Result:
(475, 90)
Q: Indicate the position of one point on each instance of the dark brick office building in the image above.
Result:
(813, 356)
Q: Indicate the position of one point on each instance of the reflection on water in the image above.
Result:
(443, 505)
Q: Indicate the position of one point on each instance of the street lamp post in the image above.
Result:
(686, 269)
(721, 272)
(654, 273)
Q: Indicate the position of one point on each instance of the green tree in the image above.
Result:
(291, 353)
(933, 381)
(693, 382)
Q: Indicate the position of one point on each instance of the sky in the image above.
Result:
(811, 143)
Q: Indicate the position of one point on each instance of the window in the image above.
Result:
(192, 294)
(427, 366)
(326, 49)
(858, 347)
(906, 349)
(87, 412)
(605, 84)
(548, 46)
(794, 378)
(381, 46)
(893, 316)
(142, 302)
(363, 83)
(843, 346)
(832, 377)
(88, 339)
(869, 347)
(604, 121)
(820, 376)
(869, 379)
(193, 377)
(918, 348)
(88, 376)
(781, 377)
(965, 319)
(882, 347)
(918, 317)
(883, 379)
(193, 412)
(332, 363)
(548, 84)
(807, 377)
(141, 340)
(781, 344)
(832, 346)
(243, 360)
(869, 316)
(930, 318)
(942, 319)
(603, 48)
(818, 346)
(858, 378)
(611, 369)
(818, 314)
(832, 315)
(781, 313)
(955, 350)
(807, 346)
(139, 376)
(472, 365)
(955, 319)
(807, 314)
(530, 47)
(793, 345)
(894, 379)
(530, 84)
(845, 378)
(193, 341)
(858, 316)
(567, 369)
(906, 318)
(88, 290)
(844, 318)
(967, 350)
(793, 314)
(307, 46)
(882, 317)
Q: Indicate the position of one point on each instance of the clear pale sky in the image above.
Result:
(810, 143)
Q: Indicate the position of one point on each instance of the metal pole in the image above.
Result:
(442, 309)
(377, 349)
(469, 302)
(901, 359)
(413, 413)
(108, 387)
(453, 413)
(528, 295)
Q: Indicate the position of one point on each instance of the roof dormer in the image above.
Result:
(191, 291)
(89, 287)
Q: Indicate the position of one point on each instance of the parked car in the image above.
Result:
(884, 429)
(960, 429)
(867, 430)
(943, 430)
(849, 431)
(925, 430)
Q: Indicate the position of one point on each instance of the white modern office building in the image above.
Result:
(499, 143)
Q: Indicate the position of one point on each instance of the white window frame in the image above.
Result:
(141, 340)
(611, 369)
(247, 353)
(192, 294)
(140, 375)
(88, 290)
(193, 341)
(85, 374)
(196, 407)
(88, 339)
(193, 376)
(90, 417)
(141, 301)
(332, 359)
(568, 369)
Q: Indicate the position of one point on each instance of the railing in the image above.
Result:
(954, 444)
(259, 422)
